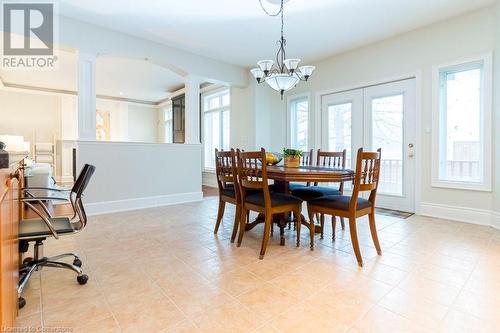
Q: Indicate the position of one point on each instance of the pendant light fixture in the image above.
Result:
(285, 73)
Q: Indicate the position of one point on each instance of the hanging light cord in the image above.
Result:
(271, 14)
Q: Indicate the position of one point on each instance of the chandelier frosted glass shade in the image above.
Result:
(282, 82)
(307, 70)
(265, 65)
(291, 64)
(257, 73)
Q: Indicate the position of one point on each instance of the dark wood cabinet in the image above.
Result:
(178, 118)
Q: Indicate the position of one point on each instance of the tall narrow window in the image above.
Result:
(463, 130)
(216, 109)
(168, 124)
(299, 123)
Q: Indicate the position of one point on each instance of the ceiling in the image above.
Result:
(115, 77)
(238, 31)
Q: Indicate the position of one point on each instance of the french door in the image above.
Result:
(380, 116)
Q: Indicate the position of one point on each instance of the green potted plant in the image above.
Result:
(292, 157)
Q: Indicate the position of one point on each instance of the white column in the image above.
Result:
(192, 115)
(86, 97)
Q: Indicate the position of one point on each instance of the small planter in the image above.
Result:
(292, 161)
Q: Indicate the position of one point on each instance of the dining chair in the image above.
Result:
(305, 160)
(365, 180)
(252, 175)
(227, 182)
(326, 159)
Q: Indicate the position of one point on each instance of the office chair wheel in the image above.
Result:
(77, 262)
(21, 302)
(82, 279)
(27, 260)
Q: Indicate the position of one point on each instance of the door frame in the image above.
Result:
(417, 75)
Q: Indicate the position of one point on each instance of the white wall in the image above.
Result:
(496, 122)
(412, 52)
(142, 123)
(30, 114)
(138, 175)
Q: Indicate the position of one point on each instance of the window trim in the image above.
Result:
(212, 93)
(291, 99)
(486, 124)
(168, 106)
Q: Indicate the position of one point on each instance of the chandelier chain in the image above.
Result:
(280, 11)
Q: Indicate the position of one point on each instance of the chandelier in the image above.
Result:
(286, 73)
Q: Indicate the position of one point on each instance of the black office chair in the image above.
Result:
(37, 230)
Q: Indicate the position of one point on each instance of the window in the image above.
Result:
(463, 133)
(168, 125)
(216, 108)
(299, 122)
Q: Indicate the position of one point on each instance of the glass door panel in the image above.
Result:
(387, 133)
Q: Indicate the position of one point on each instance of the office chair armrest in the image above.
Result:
(44, 218)
(43, 198)
(47, 188)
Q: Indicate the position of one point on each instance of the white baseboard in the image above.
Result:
(97, 208)
(461, 214)
(495, 221)
(209, 179)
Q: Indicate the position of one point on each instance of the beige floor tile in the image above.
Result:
(228, 317)
(304, 318)
(32, 321)
(237, 282)
(185, 326)
(170, 273)
(267, 301)
(108, 325)
(417, 309)
(86, 311)
(380, 320)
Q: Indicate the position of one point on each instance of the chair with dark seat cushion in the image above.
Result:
(252, 175)
(277, 199)
(340, 202)
(39, 229)
(227, 182)
(366, 180)
(327, 159)
(314, 192)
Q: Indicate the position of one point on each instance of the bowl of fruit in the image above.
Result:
(273, 158)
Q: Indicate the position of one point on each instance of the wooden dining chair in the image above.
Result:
(327, 159)
(252, 175)
(229, 191)
(305, 160)
(366, 180)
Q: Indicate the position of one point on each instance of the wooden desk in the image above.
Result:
(9, 255)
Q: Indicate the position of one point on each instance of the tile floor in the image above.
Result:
(163, 270)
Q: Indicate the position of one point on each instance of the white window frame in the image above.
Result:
(486, 122)
(291, 99)
(168, 139)
(210, 94)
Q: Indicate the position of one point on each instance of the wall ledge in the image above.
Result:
(106, 207)
(461, 214)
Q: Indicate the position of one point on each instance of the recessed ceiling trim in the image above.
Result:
(74, 93)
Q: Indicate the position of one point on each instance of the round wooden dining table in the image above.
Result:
(283, 175)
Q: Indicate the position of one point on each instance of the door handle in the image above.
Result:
(411, 151)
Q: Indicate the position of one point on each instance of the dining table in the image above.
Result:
(283, 175)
